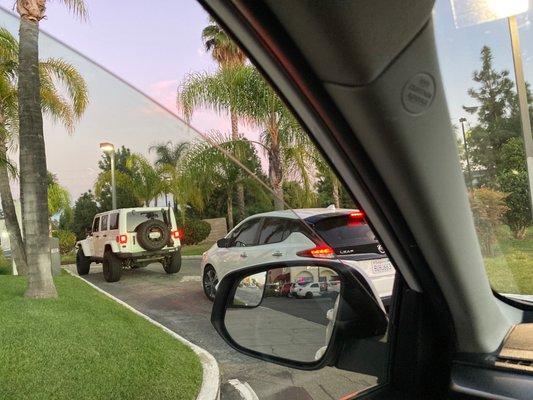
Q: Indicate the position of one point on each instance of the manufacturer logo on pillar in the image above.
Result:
(381, 249)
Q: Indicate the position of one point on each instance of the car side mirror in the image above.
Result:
(329, 306)
(88, 232)
(222, 243)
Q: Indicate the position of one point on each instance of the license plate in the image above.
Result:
(381, 267)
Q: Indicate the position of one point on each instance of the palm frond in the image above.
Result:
(67, 75)
(78, 8)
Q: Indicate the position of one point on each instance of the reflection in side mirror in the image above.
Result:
(250, 290)
(299, 313)
(221, 243)
(294, 324)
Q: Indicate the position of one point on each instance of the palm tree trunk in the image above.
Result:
(229, 205)
(33, 179)
(335, 192)
(240, 187)
(275, 176)
(10, 216)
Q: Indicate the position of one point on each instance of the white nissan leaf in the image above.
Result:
(292, 235)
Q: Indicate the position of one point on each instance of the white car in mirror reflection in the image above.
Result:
(280, 236)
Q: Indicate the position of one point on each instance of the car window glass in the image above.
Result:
(482, 91)
(113, 221)
(171, 143)
(247, 234)
(103, 223)
(96, 224)
(272, 231)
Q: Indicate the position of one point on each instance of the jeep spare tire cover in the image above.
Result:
(153, 234)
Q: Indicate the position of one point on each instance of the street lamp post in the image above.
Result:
(522, 102)
(109, 149)
(469, 170)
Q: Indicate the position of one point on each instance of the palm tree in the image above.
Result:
(250, 96)
(169, 155)
(325, 170)
(228, 55)
(145, 180)
(32, 158)
(208, 167)
(54, 73)
(58, 196)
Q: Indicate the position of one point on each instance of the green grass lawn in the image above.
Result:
(511, 270)
(83, 345)
(195, 249)
(69, 258)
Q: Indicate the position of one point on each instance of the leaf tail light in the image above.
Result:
(320, 251)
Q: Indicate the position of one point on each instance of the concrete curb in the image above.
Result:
(210, 389)
(191, 257)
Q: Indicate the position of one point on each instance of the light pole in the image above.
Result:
(462, 121)
(109, 149)
(522, 101)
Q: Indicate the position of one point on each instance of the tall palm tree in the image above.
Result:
(250, 96)
(54, 74)
(32, 157)
(209, 168)
(228, 55)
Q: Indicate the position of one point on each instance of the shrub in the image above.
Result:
(488, 207)
(515, 183)
(67, 240)
(5, 264)
(194, 231)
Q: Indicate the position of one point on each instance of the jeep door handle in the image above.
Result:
(244, 255)
(277, 254)
(104, 235)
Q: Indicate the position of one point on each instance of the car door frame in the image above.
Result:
(265, 42)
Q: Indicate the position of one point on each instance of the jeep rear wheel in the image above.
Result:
(112, 267)
(83, 263)
(172, 264)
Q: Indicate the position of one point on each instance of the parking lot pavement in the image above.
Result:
(178, 302)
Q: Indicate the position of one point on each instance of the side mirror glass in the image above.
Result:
(250, 291)
(297, 325)
(221, 243)
(296, 313)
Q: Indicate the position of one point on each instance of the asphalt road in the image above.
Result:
(178, 302)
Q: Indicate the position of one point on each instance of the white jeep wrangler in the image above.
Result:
(131, 237)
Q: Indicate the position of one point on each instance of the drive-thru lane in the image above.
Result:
(177, 301)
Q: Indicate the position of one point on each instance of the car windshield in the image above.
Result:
(153, 105)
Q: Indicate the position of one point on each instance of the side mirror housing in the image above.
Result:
(299, 314)
(222, 243)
